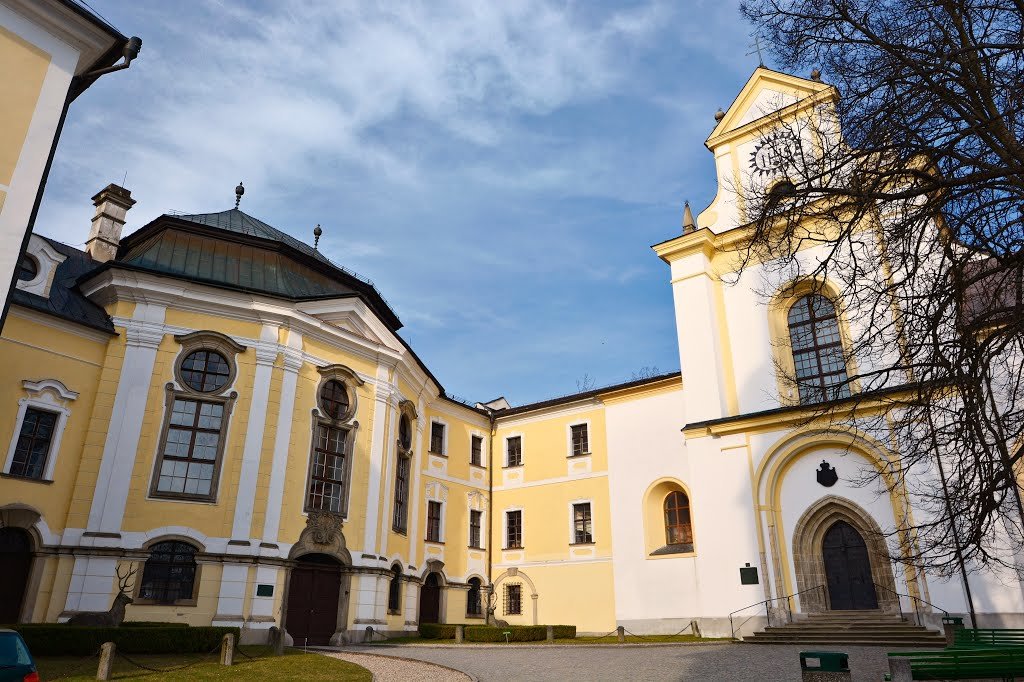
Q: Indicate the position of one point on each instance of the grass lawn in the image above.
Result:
(294, 665)
(630, 639)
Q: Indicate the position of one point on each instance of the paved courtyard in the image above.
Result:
(760, 663)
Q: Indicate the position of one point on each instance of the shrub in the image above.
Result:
(437, 631)
(51, 639)
(517, 633)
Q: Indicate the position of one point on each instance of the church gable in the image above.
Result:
(765, 93)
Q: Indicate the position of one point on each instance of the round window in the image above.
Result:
(334, 399)
(205, 371)
(28, 268)
(405, 432)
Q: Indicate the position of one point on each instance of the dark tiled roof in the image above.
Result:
(65, 300)
(240, 222)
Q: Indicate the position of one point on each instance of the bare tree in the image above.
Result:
(909, 186)
(585, 383)
(645, 372)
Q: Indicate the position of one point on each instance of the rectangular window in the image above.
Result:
(433, 521)
(437, 438)
(474, 528)
(513, 599)
(327, 475)
(514, 451)
(188, 461)
(514, 529)
(398, 523)
(476, 448)
(580, 440)
(582, 525)
(34, 442)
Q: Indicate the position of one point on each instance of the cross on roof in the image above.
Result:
(756, 35)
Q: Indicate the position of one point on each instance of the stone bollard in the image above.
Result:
(107, 652)
(460, 633)
(369, 634)
(899, 669)
(620, 632)
(551, 633)
(277, 640)
(227, 650)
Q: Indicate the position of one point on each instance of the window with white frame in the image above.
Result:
(476, 450)
(437, 438)
(514, 529)
(433, 521)
(582, 524)
(514, 451)
(579, 440)
(39, 426)
(475, 523)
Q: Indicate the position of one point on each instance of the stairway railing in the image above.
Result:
(767, 611)
(917, 600)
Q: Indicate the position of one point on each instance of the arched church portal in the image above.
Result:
(314, 599)
(15, 565)
(841, 560)
(430, 599)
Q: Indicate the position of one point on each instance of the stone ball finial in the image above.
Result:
(239, 191)
(719, 115)
(816, 75)
(316, 235)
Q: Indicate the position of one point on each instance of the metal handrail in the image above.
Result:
(917, 611)
(767, 613)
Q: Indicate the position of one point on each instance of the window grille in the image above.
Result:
(514, 451)
(474, 528)
(437, 438)
(474, 605)
(476, 450)
(191, 446)
(583, 531)
(433, 521)
(34, 442)
(327, 478)
(580, 440)
(395, 589)
(399, 522)
(513, 599)
(817, 350)
(514, 529)
(678, 529)
(169, 574)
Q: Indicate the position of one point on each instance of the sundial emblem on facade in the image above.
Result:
(774, 152)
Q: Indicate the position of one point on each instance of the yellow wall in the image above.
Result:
(21, 81)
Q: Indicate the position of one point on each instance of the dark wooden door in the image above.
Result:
(430, 600)
(848, 569)
(313, 600)
(15, 562)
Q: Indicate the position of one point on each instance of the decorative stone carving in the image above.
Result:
(324, 527)
(827, 475)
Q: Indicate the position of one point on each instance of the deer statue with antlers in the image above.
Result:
(114, 616)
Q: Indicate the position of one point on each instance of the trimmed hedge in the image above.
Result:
(54, 639)
(151, 624)
(437, 631)
(517, 633)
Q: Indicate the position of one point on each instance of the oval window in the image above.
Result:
(405, 432)
(205, 371)
(28, 268)
(334, 399)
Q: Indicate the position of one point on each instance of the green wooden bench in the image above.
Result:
(970, 638)
(1005, 663)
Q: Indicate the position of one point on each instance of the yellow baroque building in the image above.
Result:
(221, 408)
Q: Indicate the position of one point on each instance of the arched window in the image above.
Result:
(169, 576)
(330, 451)
(474, 607)
(678, 530)
(395, 590)
(818, 358)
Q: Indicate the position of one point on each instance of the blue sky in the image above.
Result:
(498, 169)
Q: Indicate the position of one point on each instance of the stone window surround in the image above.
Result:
(48, 395)
(346, 423)
(47, 260)
(193, 600)
(572, 522)
(568, 438)
(444, 437)
(522, 449)
(227, 347)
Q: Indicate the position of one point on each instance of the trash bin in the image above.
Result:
(824, 666)
(950, 624)
(956, 621)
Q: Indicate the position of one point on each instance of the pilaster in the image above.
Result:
(292, 362)
(143, 335)
(382, 391)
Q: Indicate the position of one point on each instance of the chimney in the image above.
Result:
(112, 204)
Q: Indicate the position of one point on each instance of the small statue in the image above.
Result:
(115, 616)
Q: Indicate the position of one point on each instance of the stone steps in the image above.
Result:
(870, 628)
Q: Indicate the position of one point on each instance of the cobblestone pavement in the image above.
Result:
(756, 662)
(389, 669)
